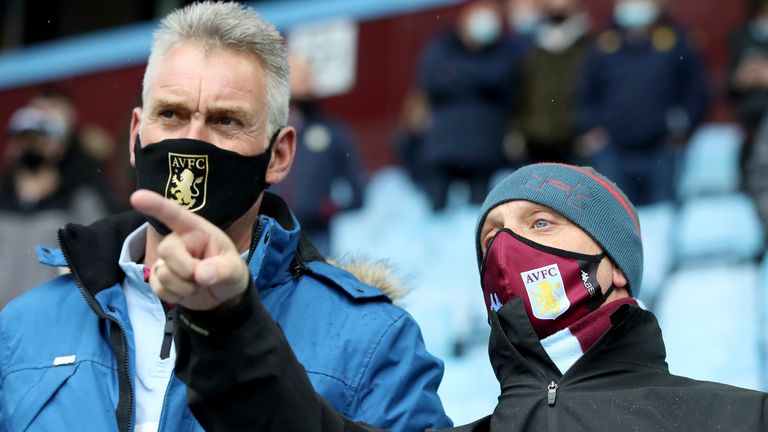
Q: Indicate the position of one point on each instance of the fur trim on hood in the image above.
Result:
(377, 273)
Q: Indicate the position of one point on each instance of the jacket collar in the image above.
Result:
(515, 350)
(92, 252)
(275, 243)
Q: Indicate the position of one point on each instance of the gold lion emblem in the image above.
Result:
(187, 180)
(185, 191)
(547, 299)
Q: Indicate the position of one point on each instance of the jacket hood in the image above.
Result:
(376, 273)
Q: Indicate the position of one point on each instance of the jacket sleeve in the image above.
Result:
(399, 385)
(242, 375)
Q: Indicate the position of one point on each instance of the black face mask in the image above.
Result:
(217, 184)
(557, 18)
(31, 160)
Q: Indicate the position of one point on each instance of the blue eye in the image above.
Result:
(541, 224)
(167, 114)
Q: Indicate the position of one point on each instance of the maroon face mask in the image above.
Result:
(558, 287)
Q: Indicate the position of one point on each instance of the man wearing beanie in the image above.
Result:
(560, 255)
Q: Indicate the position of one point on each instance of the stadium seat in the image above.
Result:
(722, 228)
(710, 165)
(709, 319)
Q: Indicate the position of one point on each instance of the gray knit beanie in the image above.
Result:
(587, 199)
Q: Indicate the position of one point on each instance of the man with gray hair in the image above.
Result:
(94, 349)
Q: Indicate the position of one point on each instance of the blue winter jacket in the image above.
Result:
(67, 348)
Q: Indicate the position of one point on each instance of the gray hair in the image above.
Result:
(217, 25)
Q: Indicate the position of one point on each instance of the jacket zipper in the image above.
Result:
(299, 268)
(168, 331)
(254, 241)
(123, 368)
(551, 384)
(551, 393)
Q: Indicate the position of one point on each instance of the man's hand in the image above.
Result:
(197, 264)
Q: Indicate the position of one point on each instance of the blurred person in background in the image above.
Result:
(468, 75)
(94, 350)
(643, 92)
(560, 256)
(544, 123)
(89, 147)
(326, 160)
(40, 192)
(524, 17)
(415, 119)
(748, 76)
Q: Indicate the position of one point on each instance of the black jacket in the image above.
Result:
(621, 383)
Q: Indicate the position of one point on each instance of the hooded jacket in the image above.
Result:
(67, 349)
(621, 383)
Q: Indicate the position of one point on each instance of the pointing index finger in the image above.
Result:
(166, 211)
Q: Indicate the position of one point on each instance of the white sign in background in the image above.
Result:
(331, 49)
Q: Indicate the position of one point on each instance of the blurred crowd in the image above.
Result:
(527, 81)
(511, 82)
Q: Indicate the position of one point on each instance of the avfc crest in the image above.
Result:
(187, 180)
(546, 292)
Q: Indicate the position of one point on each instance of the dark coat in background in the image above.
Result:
(325, 154)
(546, 115)
(470, 95)
(641, 91)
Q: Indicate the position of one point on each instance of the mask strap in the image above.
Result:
(273, 139)
(268, 151)
(610, 289)
(607, 292)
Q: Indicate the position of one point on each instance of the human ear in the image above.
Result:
(283, 152)
(134, 134)
(618, 278)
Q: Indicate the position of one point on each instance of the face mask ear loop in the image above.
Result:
(272, 141)
(611, 288)
(607, 292)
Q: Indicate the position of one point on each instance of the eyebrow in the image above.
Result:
(235, 111)
(165, 104)
(221, 111)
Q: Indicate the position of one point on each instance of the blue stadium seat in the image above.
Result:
(710, 165)
(762, 324)
(722, 228)
(709, 319)
(657, 224)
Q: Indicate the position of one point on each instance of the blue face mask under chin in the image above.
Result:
(484, 27)
(634, 14)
